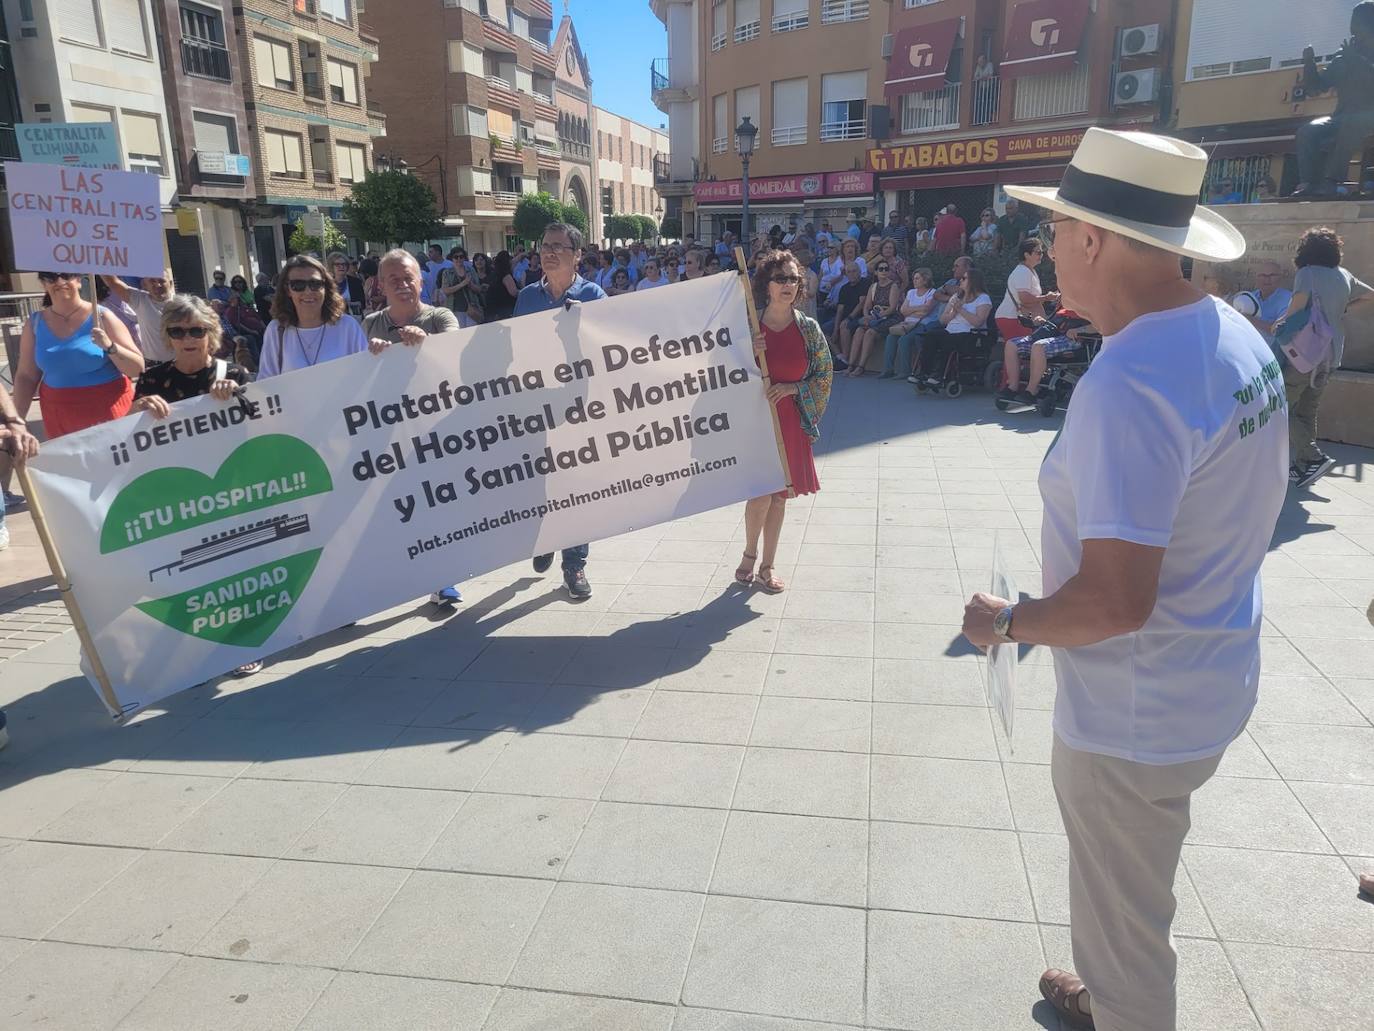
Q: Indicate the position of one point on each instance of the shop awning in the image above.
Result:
(1044, 37)
(920, 57)
(1034, 175)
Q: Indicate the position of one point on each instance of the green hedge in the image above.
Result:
(995, 268)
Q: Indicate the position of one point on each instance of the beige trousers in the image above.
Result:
(1126, 823)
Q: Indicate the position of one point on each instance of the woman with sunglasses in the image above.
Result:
(887, 251)
(965, 314)
(883, 310)
(983, 239)
(799, 366)
(239, 285)
(309, 323)
(82, 355)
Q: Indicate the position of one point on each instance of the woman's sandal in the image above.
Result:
(1367, 886)
(1063, 991)
(770, 583)
(744, 575)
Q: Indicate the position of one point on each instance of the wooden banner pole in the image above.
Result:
(64, 587)
(755, 327)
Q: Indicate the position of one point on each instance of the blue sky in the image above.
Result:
(620, 38)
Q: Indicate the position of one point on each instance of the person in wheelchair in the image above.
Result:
(1053, 337)
(965, 320)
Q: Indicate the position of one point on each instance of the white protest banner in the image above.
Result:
(84, 220)
(1001, 684)
(75, 144)
(215, 536)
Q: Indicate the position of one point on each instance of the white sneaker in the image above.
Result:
(4, 536)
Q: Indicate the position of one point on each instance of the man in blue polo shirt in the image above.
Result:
(561, 286)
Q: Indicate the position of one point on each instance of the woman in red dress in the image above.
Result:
(800, 368)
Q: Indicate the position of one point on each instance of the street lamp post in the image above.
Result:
(387, 163)
(744, 147)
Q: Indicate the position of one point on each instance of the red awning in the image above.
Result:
(920, 56)
(1044, 37)
(1031, 176)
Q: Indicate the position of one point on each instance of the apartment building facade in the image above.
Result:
(626, 155)
(96, 61)
(987, 92)
(576, 126)
(203, 78)
(806, 74)
(468, 87)
(310, 120)
(1238, 70)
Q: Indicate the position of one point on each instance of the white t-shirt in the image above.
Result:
(648, 284)
(1023, 279)
(915, 297)
(288, 348)
(149, 312)
(959, 324)
(1176, 438)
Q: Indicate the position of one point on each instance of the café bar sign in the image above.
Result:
(987, 150)
(787, 187)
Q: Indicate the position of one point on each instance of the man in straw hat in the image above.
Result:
(1160, 497)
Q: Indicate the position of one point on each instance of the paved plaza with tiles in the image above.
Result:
(682, 806)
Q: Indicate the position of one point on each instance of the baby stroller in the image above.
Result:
(956, 360)
(1065, 365)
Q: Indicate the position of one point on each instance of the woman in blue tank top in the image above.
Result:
(83, 357)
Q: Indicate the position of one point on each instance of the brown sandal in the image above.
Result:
(744, 575)
(770, 583)
(1367, 886)
(1063, 990)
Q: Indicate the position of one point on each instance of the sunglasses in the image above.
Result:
(300, 286)
(181, 332)
(786, 279)
(53, 277)
(881, 268)
(1045, 230)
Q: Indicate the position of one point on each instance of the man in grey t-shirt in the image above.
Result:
(147, 303)
(1320, 276)
(407, 320)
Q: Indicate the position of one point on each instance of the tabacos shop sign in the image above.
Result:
(786, 187)
(988, 150)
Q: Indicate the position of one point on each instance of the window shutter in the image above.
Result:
(1227, 31)
(496, 11)
(77, 20)
(844, 86)
(336, 9)
(295, 153)
(141, 134)
(720, 118)
(782, 8)
(746, 11)
(82, 113)
(124, 26)
(718, 19)
(746, 103)
(789, 104)
(214, 135)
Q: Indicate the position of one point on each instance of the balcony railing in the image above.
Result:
(323, 175)
(720, 145)
(833, 11)
(718, 42)
(314, 91)
(850, 129)
(1051, 96)
(791, 22)
(9, 143)
(504, 198)
(658, 74)
(749, 30)
(200, 57)
(540, 45)
(987, 101)
(575, 148)
(789, 136)
(932, 110)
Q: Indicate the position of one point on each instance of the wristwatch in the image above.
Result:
(1001, 624)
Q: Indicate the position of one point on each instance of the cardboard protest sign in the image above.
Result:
(84, 220)
(221, 535)
(74, 144)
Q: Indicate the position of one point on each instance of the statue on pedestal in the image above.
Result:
(1325, 145)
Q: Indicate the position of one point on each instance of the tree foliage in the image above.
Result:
(671, 228)
(629, 227)
(303, 243)
(534, 211)
(391, 208)
(648, 228)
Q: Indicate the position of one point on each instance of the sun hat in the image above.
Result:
(1143, 186)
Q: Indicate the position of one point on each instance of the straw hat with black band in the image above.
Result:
(1143, 186)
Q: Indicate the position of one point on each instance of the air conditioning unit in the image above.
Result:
(1139, 87)
(887, 45)
(1140, 41)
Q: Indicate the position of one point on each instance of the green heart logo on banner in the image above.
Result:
(243, 609)
(259, 473)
